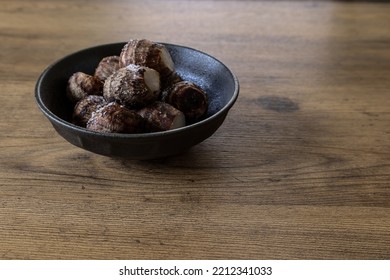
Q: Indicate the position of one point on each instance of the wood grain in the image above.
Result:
(299, 170)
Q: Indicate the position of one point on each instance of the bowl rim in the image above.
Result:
(54, 118)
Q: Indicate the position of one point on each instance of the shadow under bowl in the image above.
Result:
(220, 84)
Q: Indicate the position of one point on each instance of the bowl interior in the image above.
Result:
(192, 65)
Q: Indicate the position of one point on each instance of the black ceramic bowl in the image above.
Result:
(214, 77)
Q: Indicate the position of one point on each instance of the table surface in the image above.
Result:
(300, 169)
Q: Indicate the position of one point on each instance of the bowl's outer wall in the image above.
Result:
(210, 74)
(140, 148)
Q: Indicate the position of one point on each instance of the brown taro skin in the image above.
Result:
(170, 80)
(85, 107)
(188, 98)
(127, 86)
(106, 67)
(115, 118)
(81, 85)
(147, 53)
(161, 116)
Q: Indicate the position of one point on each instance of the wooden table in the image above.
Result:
(299, 170)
